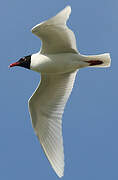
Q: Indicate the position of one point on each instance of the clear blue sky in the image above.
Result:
(90, 121)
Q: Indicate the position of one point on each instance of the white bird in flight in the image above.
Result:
(58, 62)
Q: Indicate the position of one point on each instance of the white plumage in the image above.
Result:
(58, 62)
(55, 35)
(46, 108)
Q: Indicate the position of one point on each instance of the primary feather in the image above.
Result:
(55, 35)
(46, 107)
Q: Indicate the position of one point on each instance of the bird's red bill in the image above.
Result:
(14, 64)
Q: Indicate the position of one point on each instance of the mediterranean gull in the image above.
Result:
(58, 62)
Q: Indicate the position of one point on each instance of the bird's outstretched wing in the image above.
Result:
(55, 35)
(46, 107)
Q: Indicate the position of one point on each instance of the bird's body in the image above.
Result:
(58, 62)
(64, 62)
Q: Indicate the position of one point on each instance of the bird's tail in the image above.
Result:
(102, 60)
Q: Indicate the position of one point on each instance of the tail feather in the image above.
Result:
(102, 60)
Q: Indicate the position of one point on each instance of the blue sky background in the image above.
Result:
(90, 121)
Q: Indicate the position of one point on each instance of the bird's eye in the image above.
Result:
(24, 59)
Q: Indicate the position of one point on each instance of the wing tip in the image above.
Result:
(61, 175)
(67, 10)
(68, 7)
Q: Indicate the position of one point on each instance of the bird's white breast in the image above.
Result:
(56, 63)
